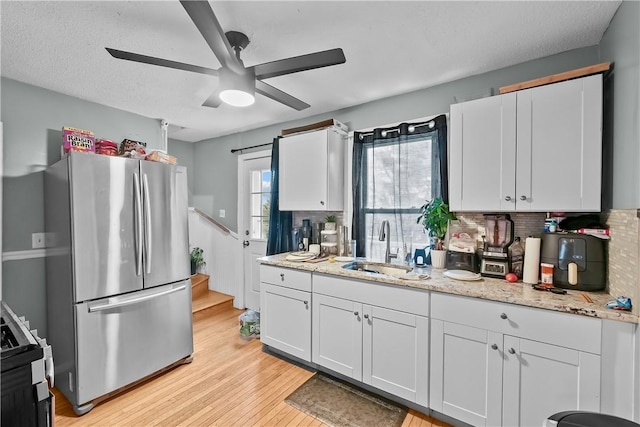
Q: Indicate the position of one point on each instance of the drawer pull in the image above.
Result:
(507, 198)
(503, 316)
(282, 276)
(366, 316)
(306, 302)
(355, 313)
(523, 198)
(494, 346)
(512, 351)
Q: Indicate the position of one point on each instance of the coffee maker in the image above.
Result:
(495, 252)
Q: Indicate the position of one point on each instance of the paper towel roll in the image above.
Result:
(531, 267)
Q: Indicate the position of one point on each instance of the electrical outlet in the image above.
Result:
(37, 240)
(222, 213)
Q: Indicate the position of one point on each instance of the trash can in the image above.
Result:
(587, 419)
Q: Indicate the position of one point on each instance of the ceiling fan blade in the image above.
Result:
(277, 95)
(136, 57)
(213, 100)
(300, 63)
(205, 20)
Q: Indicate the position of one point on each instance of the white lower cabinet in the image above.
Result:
(380, 346)
(285, 311)
(490, 377)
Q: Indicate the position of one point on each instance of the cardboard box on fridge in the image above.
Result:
(78, 140)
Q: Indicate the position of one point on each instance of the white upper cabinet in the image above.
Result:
(537, 150)
(312, 171)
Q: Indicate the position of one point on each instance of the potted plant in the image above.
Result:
(435, 216)
(197, 259)
(330, 222)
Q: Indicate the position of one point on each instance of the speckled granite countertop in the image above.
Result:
(487, 288)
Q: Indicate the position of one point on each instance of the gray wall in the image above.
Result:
(33, 119)
(216, 168)
(621, 45)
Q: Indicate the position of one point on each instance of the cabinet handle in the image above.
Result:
(507, 198)
(282, 276)
(306, 302)
(366, 316)
(322, 202)
(355, 313)
(503, 316)
(511, 351)
(494, 346)
(523, 198)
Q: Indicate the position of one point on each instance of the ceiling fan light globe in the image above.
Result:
(237, 98)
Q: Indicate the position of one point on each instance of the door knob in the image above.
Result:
(494, 346)
(245, 243)
(511, 351)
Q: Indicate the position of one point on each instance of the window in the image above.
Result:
(395, 171)
(260, 203)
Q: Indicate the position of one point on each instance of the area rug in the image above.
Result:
(340, 404)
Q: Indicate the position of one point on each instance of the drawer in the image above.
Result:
(408, 300)
(553, 327)
(287, 277)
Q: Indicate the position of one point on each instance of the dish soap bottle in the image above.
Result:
(516, 256)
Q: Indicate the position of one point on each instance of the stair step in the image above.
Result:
(199, 285)
(212, 302)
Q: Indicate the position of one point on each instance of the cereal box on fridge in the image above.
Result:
(77, 140)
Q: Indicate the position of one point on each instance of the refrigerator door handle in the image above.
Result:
(116, 302)
(138, 223)
(147, 205)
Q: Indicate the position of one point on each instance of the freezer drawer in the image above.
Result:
(125, 338)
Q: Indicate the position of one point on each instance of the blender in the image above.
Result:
(498, 238)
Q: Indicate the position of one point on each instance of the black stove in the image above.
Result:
(26, 400)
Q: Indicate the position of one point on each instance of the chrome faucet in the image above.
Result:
(384, 233)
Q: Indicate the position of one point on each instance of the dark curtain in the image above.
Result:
(435, 129)
(280, 222)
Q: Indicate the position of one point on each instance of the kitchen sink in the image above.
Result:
(378, 267)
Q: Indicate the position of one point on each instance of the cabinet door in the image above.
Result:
(559, 131)
(466, 373)
(395, 353)
(337, 335)
(303, 171)
(542, 379)
(482, 154)
(286, 320)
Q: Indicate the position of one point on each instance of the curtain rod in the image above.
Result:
(234, 150)
(430, 123)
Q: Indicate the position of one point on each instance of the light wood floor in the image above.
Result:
(231, 382)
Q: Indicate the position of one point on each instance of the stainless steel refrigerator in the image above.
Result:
(118, 288)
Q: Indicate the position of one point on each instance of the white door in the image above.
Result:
(337, 335)
(254, 185)
(286, 320)
(395, 353)
(466, 373)
(541, 380)
(483, 154)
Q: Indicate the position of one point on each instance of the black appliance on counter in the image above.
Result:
(26, 400)
(579, 260)
(463, 261)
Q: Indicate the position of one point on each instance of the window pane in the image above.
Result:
(398, 175)
(256, 227)
(256, 185)
(256, 204)
(265, 227)
(266, 181)
(399, 225)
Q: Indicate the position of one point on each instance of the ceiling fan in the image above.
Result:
(237, 82)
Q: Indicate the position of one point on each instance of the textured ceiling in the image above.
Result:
(392, 47)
